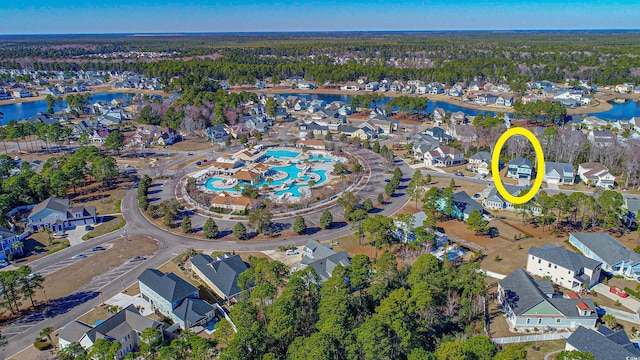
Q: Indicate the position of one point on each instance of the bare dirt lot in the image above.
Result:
(58, 284)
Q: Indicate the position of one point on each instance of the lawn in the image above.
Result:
(110, 224)
(191, 145)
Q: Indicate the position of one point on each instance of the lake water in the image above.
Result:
(28, 109)
(619, 111)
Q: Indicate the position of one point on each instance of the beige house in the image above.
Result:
(234, 203)
(312, 144)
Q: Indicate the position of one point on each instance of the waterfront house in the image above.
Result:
(616, 258)
(558, 173)
(124, 327)
(602, 138)
(596, 174)
(602, 344)
(322, 259)
(21, 93)
(220, 274)
(372, 86)
(530, 303)
(4, 95)
(305, 85)
(520, 168)
(58, 214)
(444, 156)
(563, 267)
(350, 86)
(174, 297)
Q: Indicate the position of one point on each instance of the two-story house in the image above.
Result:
(444, 156)
(7, 241)
(480, 163)
(58, 214)
(322, 259)
(530, 303)
(220, 274)
(558, 173)
(616, 258)
(563, 267)
(520, 168)
(462, 207)
(217, 134)
(172, 296)
(405, 232)
(124, 327)
(596, 174)
(439, 134)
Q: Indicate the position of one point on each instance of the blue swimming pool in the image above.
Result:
(280, 153)
(292, 172)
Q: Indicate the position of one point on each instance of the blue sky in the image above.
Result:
(118, 16)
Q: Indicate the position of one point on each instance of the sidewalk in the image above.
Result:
(622, 315)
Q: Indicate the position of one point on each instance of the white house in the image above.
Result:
(480, 163)
(444, 156)
(596, 174)
(350, 86)
(558, 173)
(563, 267)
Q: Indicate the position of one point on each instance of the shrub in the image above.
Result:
(497, 258)
(42, 345)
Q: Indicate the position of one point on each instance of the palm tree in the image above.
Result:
(48, 231)
(17, 246)
(46, 332)
(237, 188)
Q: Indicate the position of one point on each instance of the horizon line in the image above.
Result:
(264, 32)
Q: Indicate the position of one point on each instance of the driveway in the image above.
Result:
(627, 302)
(523, 182)
(75, 235)
(552, 186)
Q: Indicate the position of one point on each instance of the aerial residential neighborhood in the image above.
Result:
(317, 195)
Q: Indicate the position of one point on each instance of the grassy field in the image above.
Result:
(111, 223)
(106, 201)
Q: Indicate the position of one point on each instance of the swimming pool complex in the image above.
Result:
(292, 171)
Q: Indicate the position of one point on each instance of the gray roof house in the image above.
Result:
(565, 268)
(520, 168)
(216, 133)
(322, 259)
(633, 206)
(7, 239)
(407, 235)
(125, 327)
(220, 274)
(603, 343)
(174, 297)
(558, 173)
(481, 163)
(495, 201)
(615, 257)
(58, 214)
(463, 205)
(530, 303)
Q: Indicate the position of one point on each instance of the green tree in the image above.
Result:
(72, 351)
(210, 229)
(271, 106)
(415, 188)
(299, 226)
(476, 222)
(185, 225)
(326, 219)
(239, 231)
(260, 220)
(103, 349)
(610, 208)
(46, 332)
(512, 352)
(114, 141)
(367, 205)
(150, 339)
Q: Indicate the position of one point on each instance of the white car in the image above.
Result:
(292, 252)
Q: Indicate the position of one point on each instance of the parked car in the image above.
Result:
(137, 258)
(476, 196)
(617, 291)
(88, 227)
(79, 256)
(59, 234)
(198, 163)
(98, 248)
(459, 173)
(292, 252)
(3, 263)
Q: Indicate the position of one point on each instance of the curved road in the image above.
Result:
(171, 244)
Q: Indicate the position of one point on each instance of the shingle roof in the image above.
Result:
(323, 259)
(607, 248)
(120, 324)
(192, 310)
(560, 168)
(511, 189)
(55, 204)
(74, 331)
(519, 161)
(170, 286)
(223, 272)
(465, 203)
(482, 155)
(563, 257)
(602, 347)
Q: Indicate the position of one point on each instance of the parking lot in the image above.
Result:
(63, 264)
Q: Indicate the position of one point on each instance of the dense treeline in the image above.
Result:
(603, 59)
(368, 310)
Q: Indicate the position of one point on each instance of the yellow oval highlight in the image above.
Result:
(495, 161)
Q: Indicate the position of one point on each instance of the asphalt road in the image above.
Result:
(171, 245)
